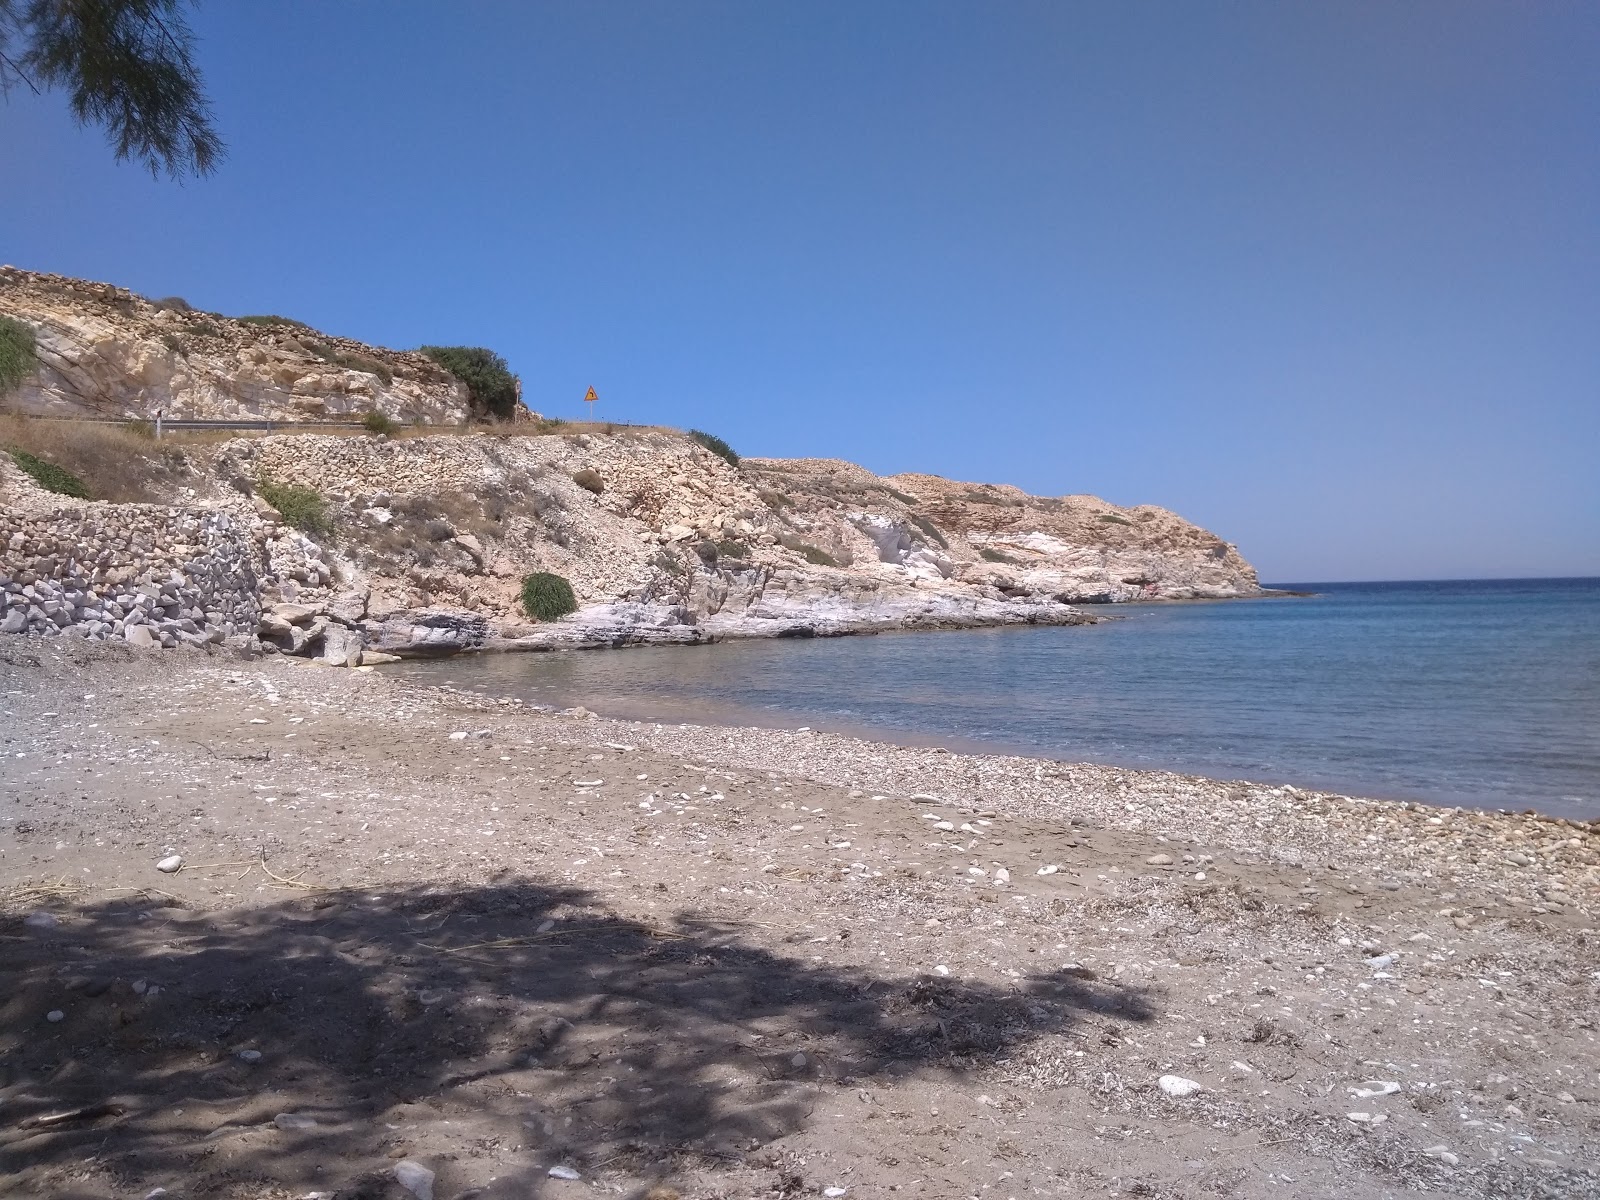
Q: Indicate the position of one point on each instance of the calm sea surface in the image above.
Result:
(1478, 693)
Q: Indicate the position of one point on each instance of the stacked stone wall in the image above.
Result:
(148, 574)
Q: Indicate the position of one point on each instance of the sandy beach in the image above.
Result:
(423, 939)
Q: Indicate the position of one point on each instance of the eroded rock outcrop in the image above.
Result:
(105, 351)
(422, 542)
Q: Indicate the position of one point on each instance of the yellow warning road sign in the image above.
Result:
(591, 396)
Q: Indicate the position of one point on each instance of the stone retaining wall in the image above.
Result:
(146, 573)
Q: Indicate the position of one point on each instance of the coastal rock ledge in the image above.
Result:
(417, 544)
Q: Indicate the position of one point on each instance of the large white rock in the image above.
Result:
(141, 636)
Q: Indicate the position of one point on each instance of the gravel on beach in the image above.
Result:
(270, 929)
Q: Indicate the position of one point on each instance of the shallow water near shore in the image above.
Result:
(1482, 693)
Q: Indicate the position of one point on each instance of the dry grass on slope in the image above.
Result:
(121, 463)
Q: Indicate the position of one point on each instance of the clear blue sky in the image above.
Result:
(1324, 277)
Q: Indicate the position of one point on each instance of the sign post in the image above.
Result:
(589, 398)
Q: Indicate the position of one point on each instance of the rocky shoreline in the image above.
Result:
(698, 961)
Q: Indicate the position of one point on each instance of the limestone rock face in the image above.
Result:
(104, 351)
(429, 537)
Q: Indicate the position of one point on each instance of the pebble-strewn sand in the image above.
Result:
(731, 962)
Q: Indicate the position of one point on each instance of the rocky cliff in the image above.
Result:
(422, 541)
(104, 351)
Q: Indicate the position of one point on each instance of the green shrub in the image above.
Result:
(173, 304)
(589, 480)
(928, 529)
(903, 497)
(716, 445)
(175, 344)
(17, 356)
(494, 389)
(301, 506)
(271, 319)
(376, 423)
(49, 476)
(547, 597)
(996, 556)
(735, 550)
(1113, 519)
(776, 501)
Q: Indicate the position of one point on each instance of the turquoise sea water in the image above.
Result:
(1478, 693)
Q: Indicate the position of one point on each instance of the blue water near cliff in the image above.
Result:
(1481, 693)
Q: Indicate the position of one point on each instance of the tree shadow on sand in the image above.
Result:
(557, 1032)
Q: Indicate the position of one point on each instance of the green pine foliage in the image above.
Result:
(495, 390)
(547, 597)
(127, 66)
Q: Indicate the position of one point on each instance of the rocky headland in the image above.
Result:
(416, 540)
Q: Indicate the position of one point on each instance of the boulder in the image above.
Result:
(471, 545)
(341, 647)
(140, 636)
(293, 614)
(271, 625)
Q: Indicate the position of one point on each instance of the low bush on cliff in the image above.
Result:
(547, 597)
(49, 476)
(302, 507)
(589, 480)
(17, 357)
(716, 445)
(375, 422)
(1113, 519)
(494, 389)
(997, 556)
(272, 319)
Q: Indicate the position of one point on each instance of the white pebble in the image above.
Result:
(415, 1178)
(171, 864)
(1177, 1086)
(1048, 869)
(1385, 1087)
(562, 1171)
(54, 1015)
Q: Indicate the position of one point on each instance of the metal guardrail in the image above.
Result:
(168, 423)
(269, 426)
